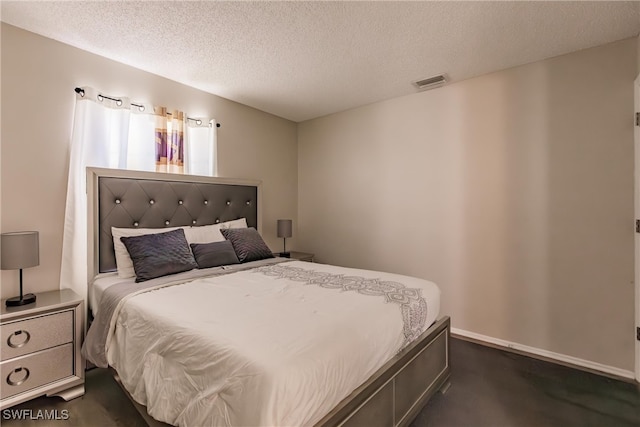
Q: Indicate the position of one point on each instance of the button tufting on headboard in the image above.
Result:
(152, 203)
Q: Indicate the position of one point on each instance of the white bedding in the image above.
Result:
(98, 286)
(250, 349)
(103, 281)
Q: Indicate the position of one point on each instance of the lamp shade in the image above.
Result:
(285, 228)
(20, 249)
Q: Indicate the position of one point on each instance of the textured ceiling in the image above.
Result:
(301, 60)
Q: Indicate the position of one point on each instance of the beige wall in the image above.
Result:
(512, 191)
(2, 286)
(638, 54)
(38, 77)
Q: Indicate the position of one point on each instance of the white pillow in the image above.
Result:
(204, 234)
(123, 260)
(236, 223)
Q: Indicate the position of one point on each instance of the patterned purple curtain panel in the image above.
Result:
(176, 149)
(169, 132)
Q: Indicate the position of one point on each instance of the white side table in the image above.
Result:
(40, 348)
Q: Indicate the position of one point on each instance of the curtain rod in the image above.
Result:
(80, 91)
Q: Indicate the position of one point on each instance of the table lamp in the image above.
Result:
(284, 231)
(19, 250)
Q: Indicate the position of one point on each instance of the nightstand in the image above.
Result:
(40, 346)
(301, 256)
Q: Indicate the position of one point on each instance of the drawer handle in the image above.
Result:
(19, 381)
(14, 343)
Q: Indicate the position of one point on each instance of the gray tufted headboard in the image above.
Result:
(131, 199)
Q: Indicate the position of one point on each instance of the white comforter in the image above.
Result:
(249, 349)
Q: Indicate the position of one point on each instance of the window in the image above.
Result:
(112, 132)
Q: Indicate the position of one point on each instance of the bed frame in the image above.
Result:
(393, 396)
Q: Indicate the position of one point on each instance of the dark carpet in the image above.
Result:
(491, 387)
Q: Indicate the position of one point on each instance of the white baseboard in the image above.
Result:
(563, 358)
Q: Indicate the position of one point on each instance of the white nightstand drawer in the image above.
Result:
(38, 333)
(34, 370)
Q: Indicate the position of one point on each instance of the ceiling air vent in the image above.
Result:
(431, 82)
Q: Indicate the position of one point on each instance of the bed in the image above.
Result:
(268, 341)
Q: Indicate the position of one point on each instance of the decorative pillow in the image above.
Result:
(214, 254)
(123, 260)
(236, 223)
(247, 243)
(160, 254)
(199, 234)
(204, 234)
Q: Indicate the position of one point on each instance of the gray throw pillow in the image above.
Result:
(214, 254)
(157, 255)
(247, 243)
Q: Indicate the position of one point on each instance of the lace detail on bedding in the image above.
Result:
(412, 305)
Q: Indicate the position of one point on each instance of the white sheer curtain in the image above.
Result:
(201, 147)
(102, 131)
(113, 134)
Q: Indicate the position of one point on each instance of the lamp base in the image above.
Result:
(285, 254)
(17, 301)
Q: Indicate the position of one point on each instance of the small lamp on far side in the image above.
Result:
(19, 250)
(285, 230)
